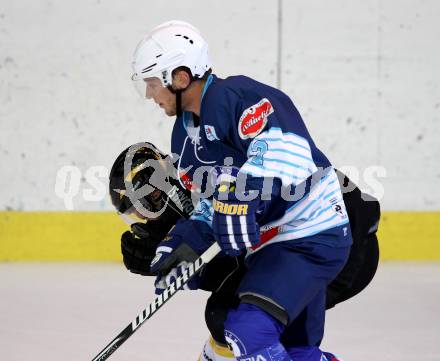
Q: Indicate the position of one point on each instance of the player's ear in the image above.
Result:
(181, 79)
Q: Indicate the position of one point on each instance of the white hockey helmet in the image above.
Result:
(167, 47)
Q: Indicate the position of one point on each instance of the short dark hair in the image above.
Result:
(192, 77)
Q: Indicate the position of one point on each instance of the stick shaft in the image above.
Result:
(158, 302)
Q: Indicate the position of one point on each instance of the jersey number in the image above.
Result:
(256, 150)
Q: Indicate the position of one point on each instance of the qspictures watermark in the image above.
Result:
(91, 184)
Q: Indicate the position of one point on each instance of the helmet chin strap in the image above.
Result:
(178, 94)
(179, 110)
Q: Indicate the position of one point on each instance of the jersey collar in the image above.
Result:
(187, 116)
(207, 84)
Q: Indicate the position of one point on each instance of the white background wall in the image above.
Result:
(364, 74)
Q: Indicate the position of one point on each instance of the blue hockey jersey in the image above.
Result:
(256, 130)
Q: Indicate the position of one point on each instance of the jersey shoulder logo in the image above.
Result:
(210, 133)
(254, 119)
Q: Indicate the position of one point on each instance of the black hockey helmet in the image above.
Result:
(143, 186)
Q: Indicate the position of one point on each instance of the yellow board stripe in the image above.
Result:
(60, 236)
(95, 236)
(410, 236)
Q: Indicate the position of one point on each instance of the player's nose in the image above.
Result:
(148, 93)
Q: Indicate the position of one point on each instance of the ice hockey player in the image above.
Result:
(248, 141)
(222, 276)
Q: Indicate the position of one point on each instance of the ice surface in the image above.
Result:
(70, 312)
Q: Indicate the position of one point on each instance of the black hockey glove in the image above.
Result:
(139, 246)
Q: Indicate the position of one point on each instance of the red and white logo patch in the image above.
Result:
(254, 119)
(186, 180)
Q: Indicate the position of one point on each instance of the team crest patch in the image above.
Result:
(235, 344)
(254, 119)
(210, 133)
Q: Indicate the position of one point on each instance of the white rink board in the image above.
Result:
(66, 97)
(364, 75)
(366, 79)
(70, 312)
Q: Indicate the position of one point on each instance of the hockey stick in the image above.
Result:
(152, 308)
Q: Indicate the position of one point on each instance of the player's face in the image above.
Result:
(161, 95)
